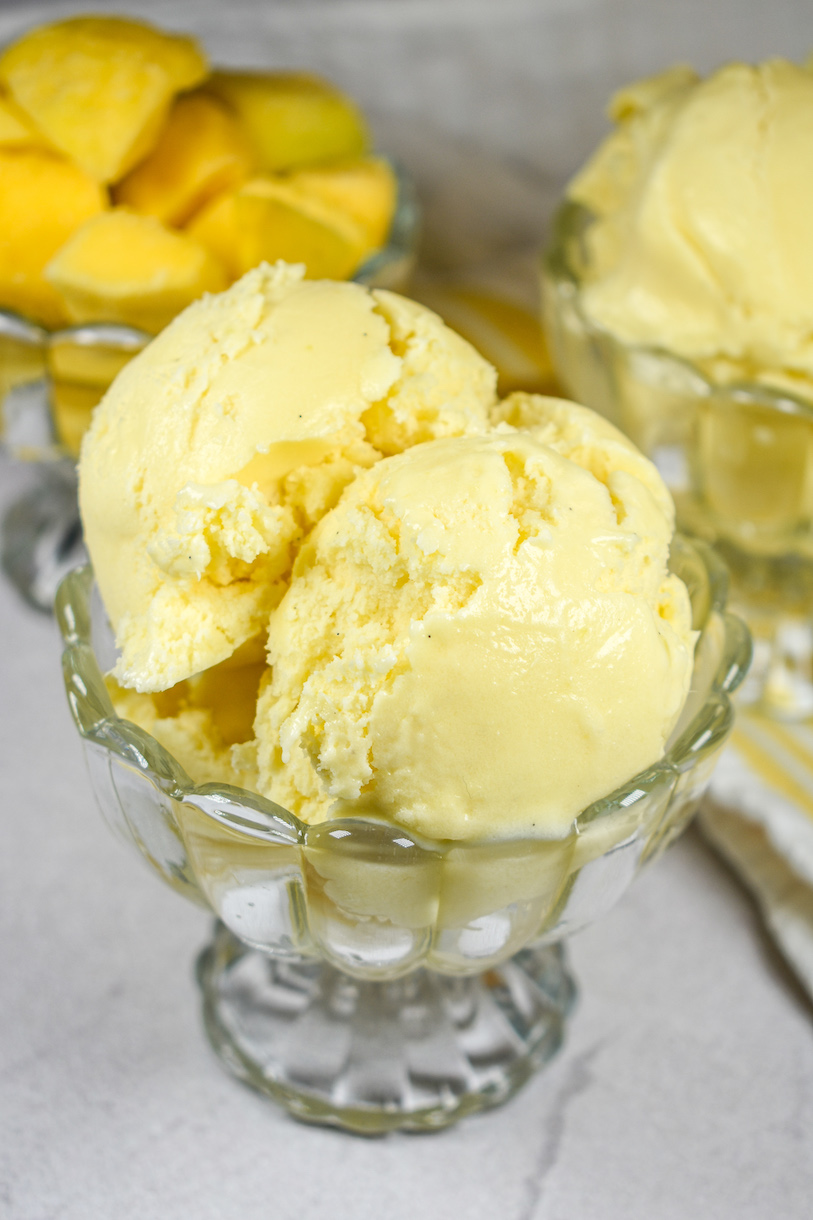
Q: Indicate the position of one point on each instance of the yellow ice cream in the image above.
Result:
(205, 722)
(702, 243)
(482, 637)
(219, 447)
(343, 575)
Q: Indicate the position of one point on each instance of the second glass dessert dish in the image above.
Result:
(737, 458)
(677, 303)
(362, 975)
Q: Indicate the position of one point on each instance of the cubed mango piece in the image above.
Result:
(271, 217)
(296, 211)
(201, 152)
(80, 374)
(95, 364)
(16, 129)
(365, 189)
(292, 118)
(215, 227)
(120, 267)
(275, 221)
(43, 200)
(72, 408)
(99, 88)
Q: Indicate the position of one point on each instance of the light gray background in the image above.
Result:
(686, 1086)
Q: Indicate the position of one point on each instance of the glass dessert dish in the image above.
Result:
(737, 457)
(362, 976)
(50, 381)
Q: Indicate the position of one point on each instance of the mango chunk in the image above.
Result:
(292, 118)
(201, 152)
(215, 227)
(16, 130)
(71, 410)
(274, 220)
(365, 189)
(80, 374)
(274, 217)
(43, 200)
(120, 267)
(330, 218)
(99, 88)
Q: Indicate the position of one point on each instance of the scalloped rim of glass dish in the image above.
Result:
(385, 268)
(534, 963)
(569, 225)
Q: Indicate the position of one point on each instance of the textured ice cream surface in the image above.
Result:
(481, 637)
(702, 243)
(584, 437)
(218, 448)
(206, 721)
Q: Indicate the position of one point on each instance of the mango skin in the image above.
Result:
(201, 152)
(99, 88)
(292, 118)
(32, 228)
(121, 267)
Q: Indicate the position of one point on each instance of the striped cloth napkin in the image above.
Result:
(759, 816)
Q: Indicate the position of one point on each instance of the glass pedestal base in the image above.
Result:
(416, 1053)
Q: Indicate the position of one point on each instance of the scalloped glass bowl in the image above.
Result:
(50, 381)
(360, 975)
(737, 457)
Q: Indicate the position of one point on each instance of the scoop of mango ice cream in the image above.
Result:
(482, 637)
(702, 243)
(220, 446)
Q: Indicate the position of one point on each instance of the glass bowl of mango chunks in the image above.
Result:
(134, 178)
